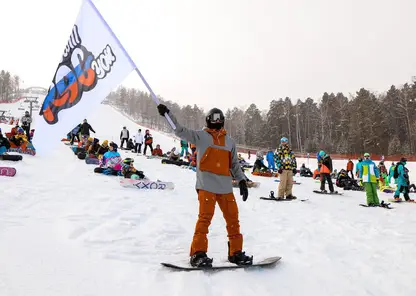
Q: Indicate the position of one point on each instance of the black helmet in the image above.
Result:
(128, 160)
(215, 119)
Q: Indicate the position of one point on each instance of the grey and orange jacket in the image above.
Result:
(217, 160)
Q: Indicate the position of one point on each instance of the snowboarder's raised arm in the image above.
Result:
(181, 131)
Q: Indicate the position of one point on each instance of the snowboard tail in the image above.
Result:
(147, 184)
(7, 171)
(268, 262)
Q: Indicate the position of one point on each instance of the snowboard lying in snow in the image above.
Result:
(147, 184)
(328, 193)
(294, 182)
(11, 157)
(275, 199)
(7, 171)
(90, 160)
(225, 266)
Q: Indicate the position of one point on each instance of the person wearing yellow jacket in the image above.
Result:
(217, 164)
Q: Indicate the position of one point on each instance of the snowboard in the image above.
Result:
(11, 157)
(294, 182)
(7, 171)
(275, 199)
(401, 200)
(188, 167)
(147, 184)
(268, 262)
(328, 193)
(23, 151)
(250, 184)
(387, 207)
(90, 160)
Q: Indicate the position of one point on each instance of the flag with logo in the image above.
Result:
(93, 63)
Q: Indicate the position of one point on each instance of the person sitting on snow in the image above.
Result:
(346, 182)
(258, 164)
(94, 147)
(20, 138)
(305, 172)
(102, 149)
(270, 157)
(4, 144)
(174, 155)
(110, 164)
(157, 151)
(130, 145)
(129, 171)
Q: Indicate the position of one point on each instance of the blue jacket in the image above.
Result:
(403, 179)
(270, 157)
(369, 172)
(112, 160)
(358, 166)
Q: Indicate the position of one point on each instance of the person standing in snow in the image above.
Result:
(124, 136)
(217, 164)
(85, 129)
(270, 160)
(148, 142)
(403, 183)
(325, 171)
(350, 168)
(369, 174)
(287, 168)
(138, 139)
(184, 148)
(26, 121)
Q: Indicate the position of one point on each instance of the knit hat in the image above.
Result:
(114, 145)
(105, 143)
(366, 154)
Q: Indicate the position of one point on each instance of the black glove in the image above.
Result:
(162, 109)
(243, 189)
(295, 171)
(280, 171)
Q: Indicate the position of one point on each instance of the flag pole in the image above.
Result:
(154, 97)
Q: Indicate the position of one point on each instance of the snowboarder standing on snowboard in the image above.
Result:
(402, 177)
(369, 175)
(217, 164)
(124, 137)
(286, 164)
(325, 171)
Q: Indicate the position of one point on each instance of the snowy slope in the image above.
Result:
(66, 231)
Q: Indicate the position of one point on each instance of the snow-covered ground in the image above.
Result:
(66, 231)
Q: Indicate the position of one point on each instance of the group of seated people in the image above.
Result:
(16, 138)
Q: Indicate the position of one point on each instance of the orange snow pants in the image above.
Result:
(228, 206)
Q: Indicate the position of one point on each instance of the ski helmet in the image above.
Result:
(284, 140)
(215, 119)
(128, 160)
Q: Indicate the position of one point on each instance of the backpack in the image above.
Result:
(396, 171)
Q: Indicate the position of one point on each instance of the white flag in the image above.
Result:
(94, 62)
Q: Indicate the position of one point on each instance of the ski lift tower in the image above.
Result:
(31, 100)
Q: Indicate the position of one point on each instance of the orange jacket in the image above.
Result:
(350, 166)
(157, 152)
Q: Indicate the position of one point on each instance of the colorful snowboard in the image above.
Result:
(90, 160)
(7, 171)
(294, 182)
(147, 184)
(226, 266)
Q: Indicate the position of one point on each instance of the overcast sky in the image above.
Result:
(228, 52)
